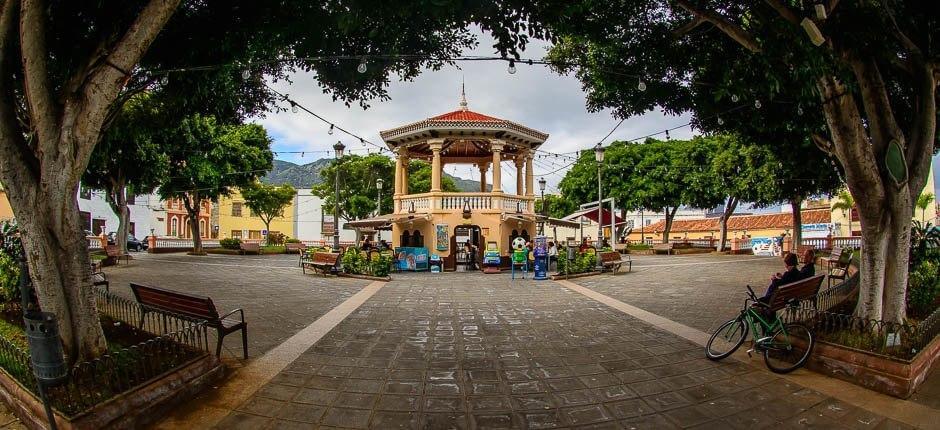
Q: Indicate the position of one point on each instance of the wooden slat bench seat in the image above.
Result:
(611, 260)
(837, 264)
(294, 247)
(195, 307)
(795, 292)
(114, 253)
(322, 262)
(667, 247)
(250, 247)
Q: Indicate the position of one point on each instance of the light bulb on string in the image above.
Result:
(641, 85)
(293, 107)
(330, 131)
(362, 141)
(362, 65)
(734, 98)
(757, 104)
(721, 121)
(512, 67)
(667, 135)
(301, 154)
(246, 74)
(799, 109)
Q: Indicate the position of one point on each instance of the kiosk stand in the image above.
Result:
(541, 258)
(491, 258)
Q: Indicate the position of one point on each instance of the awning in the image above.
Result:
(384, 222)
(557, 222)
(518, 218)
(592, 215)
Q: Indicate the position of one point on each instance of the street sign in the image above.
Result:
(264, 232)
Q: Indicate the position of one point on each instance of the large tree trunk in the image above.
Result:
(117, 199)
(797, 238)
(670, 216)
(730, 206)
(193, 208)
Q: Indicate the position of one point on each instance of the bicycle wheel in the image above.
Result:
(788, 348)
(726, 339)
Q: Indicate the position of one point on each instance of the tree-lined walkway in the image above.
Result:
(466, 351)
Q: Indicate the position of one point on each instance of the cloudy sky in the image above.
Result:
(533, 96)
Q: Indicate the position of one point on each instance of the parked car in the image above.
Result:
(133, 244)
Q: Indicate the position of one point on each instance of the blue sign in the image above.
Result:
(414, 259)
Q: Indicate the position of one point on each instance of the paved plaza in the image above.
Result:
(458, 350)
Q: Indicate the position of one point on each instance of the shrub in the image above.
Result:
(353, 261)
(923, 285)
(292, 240)
(9, 279)
(276, 238)
(231, 243)
(583, 262)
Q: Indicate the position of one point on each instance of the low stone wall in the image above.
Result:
(134, 409)
(888, 375)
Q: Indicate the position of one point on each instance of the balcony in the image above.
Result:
(440, 202)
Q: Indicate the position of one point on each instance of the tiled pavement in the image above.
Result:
(700, 291)
(277, 298)
(481, 351)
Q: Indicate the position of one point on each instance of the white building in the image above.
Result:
(310, 223)
(147, 213)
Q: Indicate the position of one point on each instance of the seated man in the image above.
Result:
(792, 274)
(809, 264)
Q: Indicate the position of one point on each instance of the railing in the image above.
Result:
(94, 242)
(171, 340)
(416, 203)
(428, 202)
(175, 243)
(325, 243)
(829, 242)
(473, 201)
(695, 243)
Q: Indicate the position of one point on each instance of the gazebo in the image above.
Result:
(443, 221)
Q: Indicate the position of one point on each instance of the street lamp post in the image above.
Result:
(599, 157)
(378, 206)
(544, 210)
(338, 150)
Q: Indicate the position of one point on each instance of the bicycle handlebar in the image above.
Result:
(751, 292)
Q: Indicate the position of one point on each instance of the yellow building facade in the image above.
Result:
(841, 218)
(6, 212)
(237, 221)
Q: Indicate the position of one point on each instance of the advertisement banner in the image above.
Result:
(766, 246)
(414, 259)
(442, 240)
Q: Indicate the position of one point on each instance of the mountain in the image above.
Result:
(298, 176)
(307, 175)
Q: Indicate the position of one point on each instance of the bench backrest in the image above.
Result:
(662, 245)
(112, 250)
(294, 246)
(799, 290)
(836, 253)
(175, 301)
(325, 258)
(610, 256)
(250, 246)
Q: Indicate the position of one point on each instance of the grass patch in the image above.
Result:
(639, 247)
(98, 257)
(273, 249)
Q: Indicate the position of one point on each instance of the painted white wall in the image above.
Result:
(308, 218)
(147, 213)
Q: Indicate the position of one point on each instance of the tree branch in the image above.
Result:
(733, 30)
(42, 109)
(785, 11)
(689, 26)
(923, 128)
(824, 145)
(908, 44)
(18, 164)
(880, 115)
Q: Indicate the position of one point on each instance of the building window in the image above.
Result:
(86, 222)
(236, 234)
(174, 226)
(84, 193)
(236, 209)
(202, 228)
(254, 234)
(648, 221)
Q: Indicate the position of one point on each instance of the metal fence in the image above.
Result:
(171, 340)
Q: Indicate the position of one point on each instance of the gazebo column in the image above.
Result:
(529, 175)
(405, 161)
(436, 166)
(496, 145)
(483, 168)
(519, 164)
(398, 178)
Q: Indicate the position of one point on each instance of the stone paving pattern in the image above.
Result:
(278, 299)
(456, 351)
(700, 291)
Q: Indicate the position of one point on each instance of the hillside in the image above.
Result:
(307, 175)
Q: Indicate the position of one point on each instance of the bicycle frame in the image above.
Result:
(755, 319)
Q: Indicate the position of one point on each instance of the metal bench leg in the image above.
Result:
(218, 345)
(245, 341)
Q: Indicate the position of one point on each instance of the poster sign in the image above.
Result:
(541, 258)
(413, 259)
(442, 240)
(766, 246)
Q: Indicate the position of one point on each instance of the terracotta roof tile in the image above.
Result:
(463, 115)
(744, 222)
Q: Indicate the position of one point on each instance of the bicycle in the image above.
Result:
(786, 347)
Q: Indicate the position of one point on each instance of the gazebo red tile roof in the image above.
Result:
(463, 115)
(744, 222)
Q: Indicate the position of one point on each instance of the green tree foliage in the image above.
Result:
(555, 206)
(128, 159)
(419, 179)
(268, 201)
(208, 159)
(845, 203)
(923, 203)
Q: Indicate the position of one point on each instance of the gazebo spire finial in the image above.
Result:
(463, 95)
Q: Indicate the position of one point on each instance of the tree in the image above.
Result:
(555, 206)
(208, 160)
(66, 67)
(876, 90)
(923, 202)
(268, 201)
(845, 204)
(419, 179)
(128, 159)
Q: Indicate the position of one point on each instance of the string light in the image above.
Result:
(667, 135)
(293, 107)
(721, 121)
(512, 67)
(246, 74)
(799, 109)
(641, 85)
(362, 65)
(734, 98)
(757, 104)
(330, 131)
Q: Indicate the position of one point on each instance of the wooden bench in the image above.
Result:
(837, 264)
(322, 262)
(663, 247)
(195, 307)
(294, 247)
(250, 247)
(795, 292)
(115, 253)
(611, 260)
(99, 278)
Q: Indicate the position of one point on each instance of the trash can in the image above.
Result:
(45, 348)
